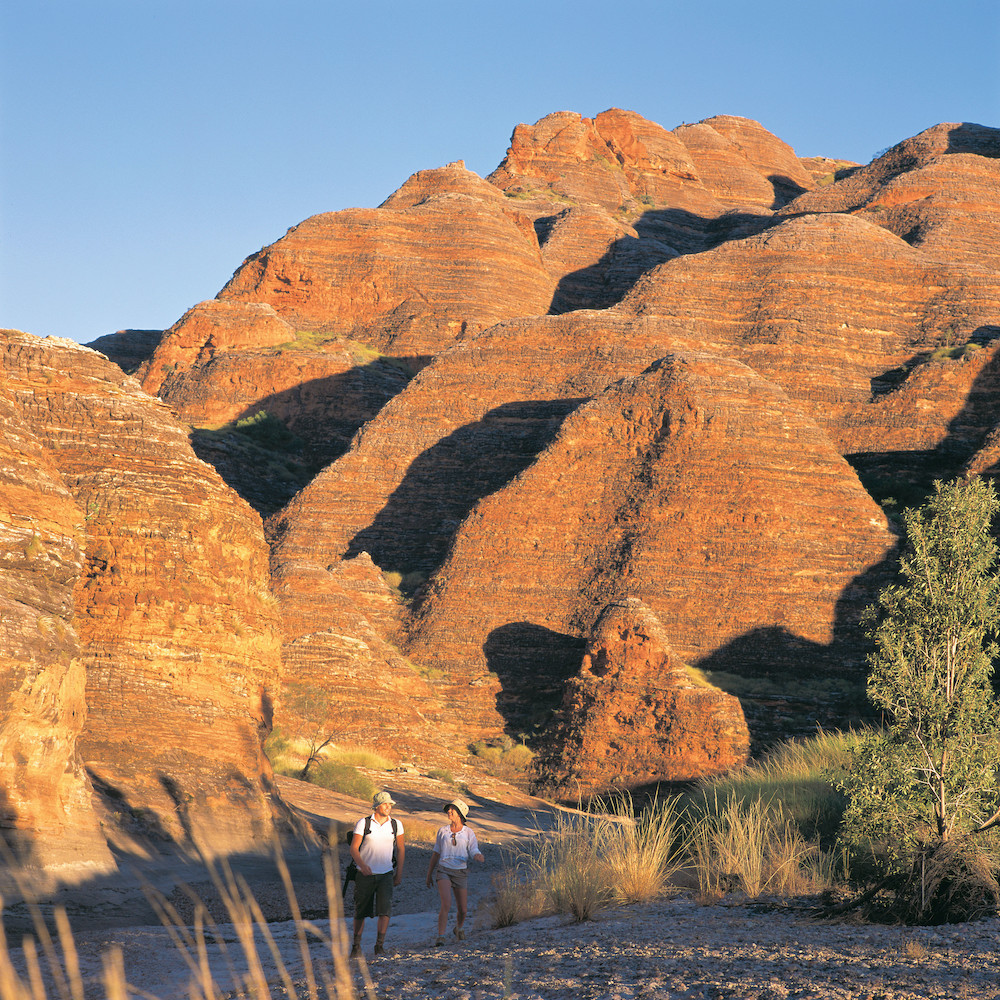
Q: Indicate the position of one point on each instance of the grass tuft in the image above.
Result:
(255, 965)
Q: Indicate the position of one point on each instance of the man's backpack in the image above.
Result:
(351, 872)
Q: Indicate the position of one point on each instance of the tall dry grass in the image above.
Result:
(643, 852)
(51, 967)
(590, 860)
(754, 848)
(799, 775)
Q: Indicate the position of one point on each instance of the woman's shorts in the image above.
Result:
(459, 877)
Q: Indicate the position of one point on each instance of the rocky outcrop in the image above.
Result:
(939, 191)
(210, 329)
(688, 189)
(698, 488)
(635, 714)
(176, 626)
(433, 264)
(46, 815)
(824, 305)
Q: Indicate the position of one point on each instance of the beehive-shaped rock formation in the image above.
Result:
(176, 626)
(634, 714)
(409, 278)
(697, 487)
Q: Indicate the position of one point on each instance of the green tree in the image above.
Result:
(931, 776)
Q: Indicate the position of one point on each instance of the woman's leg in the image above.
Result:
(462, 903)
(444, 891)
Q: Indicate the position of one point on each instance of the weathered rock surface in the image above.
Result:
(824, 305)
(176, 627)
(634, 714)
(436, 262)
(939, 191)
(696, 487)
(46, 815)
(447, 568)
(209, 329)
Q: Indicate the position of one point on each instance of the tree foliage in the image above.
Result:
(932, 774)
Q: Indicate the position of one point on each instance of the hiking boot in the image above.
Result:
(439, 942)
(379, 948)
(460, 934)
(356, 949)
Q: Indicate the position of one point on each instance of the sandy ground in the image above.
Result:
(675, 948)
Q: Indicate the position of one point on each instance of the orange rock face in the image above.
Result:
(171, 606)
(408, 279)
(210, 329)
(669, 486)
(836, 303)
(634, 714)
(46, 816)
(940, 191)
(640, 358)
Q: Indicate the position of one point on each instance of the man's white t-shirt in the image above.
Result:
(376, 848)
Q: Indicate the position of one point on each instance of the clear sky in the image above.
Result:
(148, 146)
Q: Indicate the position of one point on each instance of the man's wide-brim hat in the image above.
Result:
(460, 806)
(381, 797)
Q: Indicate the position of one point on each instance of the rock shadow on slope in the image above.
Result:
(529, 697)
(298, 431)
(905, 478)
(412, 532)
(663, 234)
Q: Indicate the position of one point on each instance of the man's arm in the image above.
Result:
(356, 855)
(400, 859)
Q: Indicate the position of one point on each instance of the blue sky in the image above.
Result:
(148, 147)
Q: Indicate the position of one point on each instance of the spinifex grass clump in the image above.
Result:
(590, 860)
(800, 775)
(753, 848)
(771, 827)
(643, 852)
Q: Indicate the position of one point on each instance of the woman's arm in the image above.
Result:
(473, 847)
(430, 868)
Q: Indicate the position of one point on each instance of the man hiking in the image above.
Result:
(377, 838)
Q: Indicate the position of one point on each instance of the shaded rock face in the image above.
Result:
(634, 714)
(129, 349)
(175, 625)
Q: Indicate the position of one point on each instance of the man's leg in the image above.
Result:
(383, 907)
(364, 893)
